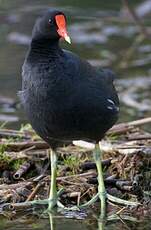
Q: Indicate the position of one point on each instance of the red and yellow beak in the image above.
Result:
(62, 31)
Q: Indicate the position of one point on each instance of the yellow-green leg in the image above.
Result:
(52, 201)
(102, 195)
(101, 187)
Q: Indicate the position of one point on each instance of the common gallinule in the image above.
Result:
(65, 98)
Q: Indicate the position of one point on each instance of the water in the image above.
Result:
(98, 34)
(55, 223)
(59, 222)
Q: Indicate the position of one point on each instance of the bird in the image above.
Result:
(65, 98)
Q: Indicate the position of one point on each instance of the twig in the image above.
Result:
(137, 20)
(22, 170)
(124, 217)
(7, 133)
(27, 154)
(140, 122)
(91, 165)
(126, 226)
(88, 174)
(32, 195)
(17, 206)
(70, 182)
(121, 210)
(139, 137)
(15, 186)
(75, 194)
(125, 127)
(24, 145)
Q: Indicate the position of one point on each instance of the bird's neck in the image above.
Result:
(45, 47)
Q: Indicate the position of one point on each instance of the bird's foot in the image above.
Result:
(51, 202)
(121, 201)
(54, 203)
(110, 198)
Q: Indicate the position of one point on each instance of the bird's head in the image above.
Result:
(52, 25)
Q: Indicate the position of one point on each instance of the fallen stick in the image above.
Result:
(15, 186)
(25, 144)
(87, 174)
(91, 165)
(34, 192)
(125, 127)
(22, 170)
(139, 137)
(18, 206)
(140, 122)
(27, 154)
(7, 133)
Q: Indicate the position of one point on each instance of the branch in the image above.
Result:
(137, 20)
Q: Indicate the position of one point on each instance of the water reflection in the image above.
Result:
(56, 221)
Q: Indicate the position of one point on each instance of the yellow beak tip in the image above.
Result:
(68, 39)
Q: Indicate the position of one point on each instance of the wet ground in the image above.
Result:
(102, 34)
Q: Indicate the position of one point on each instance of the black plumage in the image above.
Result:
(65, 98)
